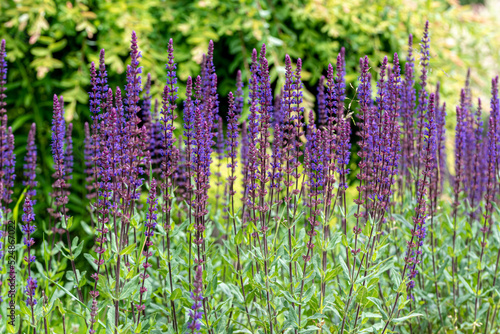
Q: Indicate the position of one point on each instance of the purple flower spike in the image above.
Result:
(189, 120)
(266, 95)
(30, 164)
(28, 229)
(220, 139)
(343, 129)
(30, 290)
(3, 81)
(68, 154)
(146, 101)
(133, 87)
(408, 97)
(210, 99)
(195, 313)
(244, 148)
(94, 94)
(172, 74)
(88, 153)
(422, 94)
(232, 134)
(7, 157)
(460, 136)
(9, 163)
(58, 138)
(239, 99)
(3, 96)
(321, 101)
(419, 230)
(102, 80)
(364, 93)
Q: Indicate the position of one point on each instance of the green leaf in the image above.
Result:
(110, 320)
(332, 273)
(370, 315)
(78, 249)
(367, 228)
(466, 285)
(69, 223)
(344, 266)
(129, 287)
(176, 294)
(413, 315)
(289, 297)
(361, 295)
(90, 259)
(239, 237)
(67, 292)
(127, 250)
(15, 212)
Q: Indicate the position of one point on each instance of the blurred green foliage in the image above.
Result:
(50, 44)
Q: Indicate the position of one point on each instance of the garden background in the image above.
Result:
(51, 43)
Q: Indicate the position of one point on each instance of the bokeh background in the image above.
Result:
(50, 44)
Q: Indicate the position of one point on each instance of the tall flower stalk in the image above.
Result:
(422, 93)
(435, 186)
(28, 230)
(419, 230)
(408, 97)
(460, 133)
(189, 122)
(195, 313)
(30, 165)
(170, 155)
(59, 186)
(314, 159)
(491, 188)
(232, 145)
(7, 156)
(150, 227)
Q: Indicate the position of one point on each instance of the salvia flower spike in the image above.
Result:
(30, 165)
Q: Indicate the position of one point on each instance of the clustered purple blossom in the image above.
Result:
(88, 154)
(30, 165)
(68, 152)
(422, 93)
(492, 158)
(383, 145)
(189, 122)
(314, 159)
(8, 168)
(58, 140)
(440, 114)
(292, 128)
(321, 101)
(491, 191)
(364, 94)
(7, 156)
(28, 229)
(244, 148)
(343, 128)
(238, 97)
(232, 138)
(196, 313)
(408, 99)
(265, 112)
(168, 109)
(419, 230)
